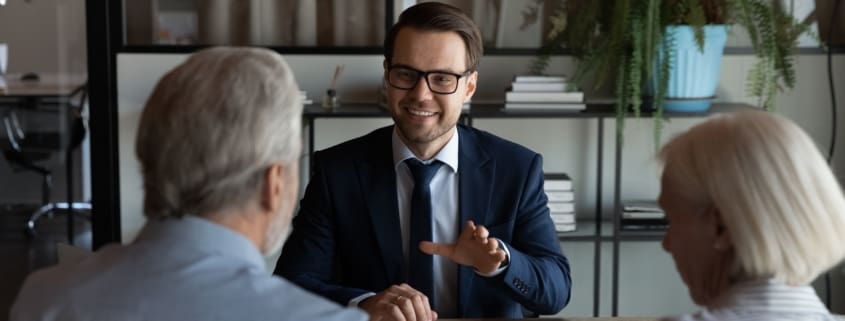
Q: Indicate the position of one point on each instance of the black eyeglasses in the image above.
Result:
(439, 82)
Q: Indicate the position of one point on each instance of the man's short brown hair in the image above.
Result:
(436, 16)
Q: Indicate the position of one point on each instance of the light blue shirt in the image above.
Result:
(177, 269)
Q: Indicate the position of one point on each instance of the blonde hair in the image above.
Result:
(213, 126)
(778, 198)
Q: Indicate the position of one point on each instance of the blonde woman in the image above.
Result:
(755, 214)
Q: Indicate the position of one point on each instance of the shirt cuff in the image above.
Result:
(501, 268)
(355, 301)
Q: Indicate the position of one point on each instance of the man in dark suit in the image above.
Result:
(426, 218)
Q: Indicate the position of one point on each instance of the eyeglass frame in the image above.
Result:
(424, 75)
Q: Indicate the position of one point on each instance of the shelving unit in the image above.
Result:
(596, 230)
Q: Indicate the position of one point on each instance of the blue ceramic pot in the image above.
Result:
(695, 74)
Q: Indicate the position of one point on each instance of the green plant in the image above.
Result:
(620, 40)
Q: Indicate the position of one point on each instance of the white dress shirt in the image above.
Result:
(177, 269)
(765, 300)
(444, 214)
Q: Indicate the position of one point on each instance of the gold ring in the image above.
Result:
(397, 299)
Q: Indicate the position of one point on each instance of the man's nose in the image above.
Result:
(421, 90)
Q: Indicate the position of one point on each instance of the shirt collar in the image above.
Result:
(767, 295)
(203, 236)
(447, 155)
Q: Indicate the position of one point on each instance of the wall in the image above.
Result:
(572, 149)
(44, 35)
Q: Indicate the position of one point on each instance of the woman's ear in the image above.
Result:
(722, 237)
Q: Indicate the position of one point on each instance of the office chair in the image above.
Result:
(26, 150)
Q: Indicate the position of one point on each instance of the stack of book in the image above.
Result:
(643, 216)
(543, 93)
(304, 96)
(558, 188)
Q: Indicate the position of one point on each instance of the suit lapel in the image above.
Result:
(475, 187)
(378, 183)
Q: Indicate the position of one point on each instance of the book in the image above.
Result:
(561, 208)
(563, 218)
(641, 206)
(538, 86)
(557, 182)
(560, 196)
(564, 227)
(304, 96)
(643, 215)
(644, 225)
(544, 97)
(545, 106)
(538, 78)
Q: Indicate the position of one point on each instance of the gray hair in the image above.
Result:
(780, 202)
(213, 126)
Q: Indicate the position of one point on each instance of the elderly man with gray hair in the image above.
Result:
(218, 145)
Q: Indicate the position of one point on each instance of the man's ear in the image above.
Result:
(385, 66)
(472, 82)
(272, 190)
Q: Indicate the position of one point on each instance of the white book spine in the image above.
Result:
(557, 185)
(546, 106)
(555, 208)
(560, 196)
(538, 86)
(537, 78)
(563, 218)
(539, 97)
(564, 227)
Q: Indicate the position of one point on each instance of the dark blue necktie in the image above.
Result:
(421, 265)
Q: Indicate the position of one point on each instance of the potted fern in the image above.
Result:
(648, 47)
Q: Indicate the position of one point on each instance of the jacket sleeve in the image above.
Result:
(308, 257)
(538, 273)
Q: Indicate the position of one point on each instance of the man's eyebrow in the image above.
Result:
(426, 71)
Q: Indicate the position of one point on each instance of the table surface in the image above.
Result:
(56, 85)
(567, 319)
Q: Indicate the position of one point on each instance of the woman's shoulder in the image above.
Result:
(732, 315)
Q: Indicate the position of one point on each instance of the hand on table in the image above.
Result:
(474, 248)
(399, 303)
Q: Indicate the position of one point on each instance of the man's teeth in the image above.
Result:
(421, 113)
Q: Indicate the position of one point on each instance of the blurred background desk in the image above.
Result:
(49, 86)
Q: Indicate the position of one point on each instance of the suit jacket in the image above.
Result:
(346, 238)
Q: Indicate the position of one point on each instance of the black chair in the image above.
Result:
(26, 151)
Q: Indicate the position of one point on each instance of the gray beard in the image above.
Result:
(277, 233)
